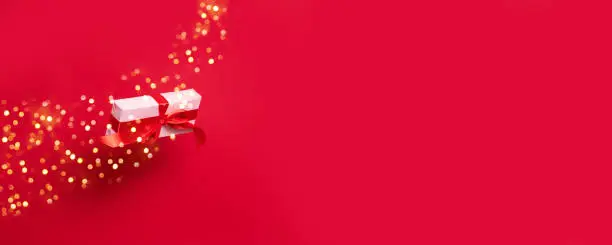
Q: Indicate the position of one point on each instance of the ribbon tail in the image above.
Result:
(152, 135)
(112, 140)
(177, 122)
(199, 133)
(115, 140)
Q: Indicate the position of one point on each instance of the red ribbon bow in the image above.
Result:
(148, 129)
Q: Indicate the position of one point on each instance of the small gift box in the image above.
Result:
(146, 118)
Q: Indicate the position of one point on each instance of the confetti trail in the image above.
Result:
(193, 48)
(49, 149)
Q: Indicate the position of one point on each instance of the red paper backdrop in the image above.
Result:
(425, 122)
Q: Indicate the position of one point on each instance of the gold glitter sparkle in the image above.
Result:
(65, 136)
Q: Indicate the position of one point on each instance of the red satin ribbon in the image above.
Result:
(148, 129)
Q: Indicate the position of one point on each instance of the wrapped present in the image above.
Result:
(147, 118)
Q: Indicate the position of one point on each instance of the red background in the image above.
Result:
(429, 122)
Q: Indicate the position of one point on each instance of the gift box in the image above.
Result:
(148, 117)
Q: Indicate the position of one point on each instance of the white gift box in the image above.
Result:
(143, 107)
